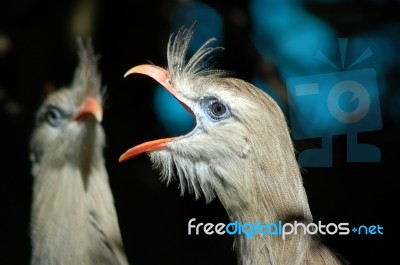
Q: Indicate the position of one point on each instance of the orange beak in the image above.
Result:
(157, 73)
(144, 147)
(91, 108)
(161, 76)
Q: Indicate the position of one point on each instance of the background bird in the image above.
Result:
(73, 219)
(240, 150)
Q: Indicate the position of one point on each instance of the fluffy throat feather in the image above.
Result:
(247, 191)
(257, 197)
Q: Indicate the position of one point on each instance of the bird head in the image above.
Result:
(67, 127)
(240, 130)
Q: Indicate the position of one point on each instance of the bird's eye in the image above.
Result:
(216, 109)
(54, 116)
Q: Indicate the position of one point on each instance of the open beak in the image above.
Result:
(91, 109)
(161, 76)
(145, 147)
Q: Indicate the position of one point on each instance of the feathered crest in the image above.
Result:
(87, 78)
(198, 64)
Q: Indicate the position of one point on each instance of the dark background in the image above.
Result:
(38, 50)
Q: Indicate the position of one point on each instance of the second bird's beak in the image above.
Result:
(90, 109)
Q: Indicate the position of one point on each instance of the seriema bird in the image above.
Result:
(240, 150)
(73, 219)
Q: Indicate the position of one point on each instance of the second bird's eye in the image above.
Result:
(216, 109)
(54, 116)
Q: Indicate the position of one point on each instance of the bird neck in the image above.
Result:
(272, 195)
(65, 192)
(60, 214)
(265, 188)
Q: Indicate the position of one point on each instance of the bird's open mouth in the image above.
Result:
(161, 76)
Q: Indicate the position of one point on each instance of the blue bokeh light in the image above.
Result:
(304, 46)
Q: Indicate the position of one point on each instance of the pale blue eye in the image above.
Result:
(216, 109)
(54, 116)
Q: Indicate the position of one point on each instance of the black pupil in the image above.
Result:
(52, 115)
(218, 109)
